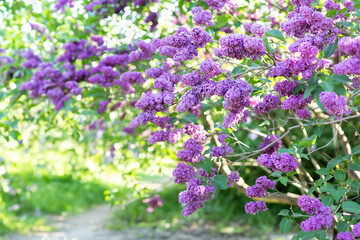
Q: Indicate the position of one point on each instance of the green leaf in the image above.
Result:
(276, 34)
(305, 143)
(283, 180)
(285, 225)
(311, 190)
(318, 130)
(327, 84)
(190, 118)
(339, 175)
(355, 150)
(284, 212)
(222, 20)
(237, 70)
(341, 78)
(342, 226)
(220, 181)
(338, 193)
(351, 207)
(206, 165)
(333, 162)
(355, 166)
(276, 174)
(309, 90)
(329, 50)
(267, 45)
(327, 200)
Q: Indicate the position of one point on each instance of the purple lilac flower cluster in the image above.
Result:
(53, 83)
(202, 173)
(283, 162)
(61, 4)
(298, 103)
(210, 68)
(233, 177)
(273, 148)
(223, 150)
(285, 88)
(194, 196)
(153, 18)
(260, 187)
(239, 46)
(192, 151)
(32, 61)
(79, 50)
(218, 4)
(335, 105)
(268, 103)
(255, 207)
(202, 17)
(145, 52)
(350, 46)
(321, 216)
(105, 75)
(183, 44)
(183, 173)
(40, 29)
(255, 29)
(153, 203)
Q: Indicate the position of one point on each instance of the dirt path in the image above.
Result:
(91, 225)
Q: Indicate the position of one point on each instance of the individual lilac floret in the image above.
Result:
(183, 173)
(333, 104)
(345, 236)
(285, 88)
(202, 17)
(255, 207)
(153, 203)
(356, 229)
(233, 177)
(195, 196)
(273, 148)
(211, 69)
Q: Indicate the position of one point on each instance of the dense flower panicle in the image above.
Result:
(233, 119)
(200, 36)
(216, 4)
(145, 52)
(61, 4)
(233, 177)
(239, 46)
(153, 18)
(273, 148)
(154, 72)
(222, 138)
(211, 69)
(348, 66)
(128, 130)
(345, 236)
(103, 106)
(303, 114)
(356, 229)
(283, 162)
(260, 187)
(350, 45)
(222, 150)
(159, 136)
(349, 5)
(165, 82)
(192, 151)
(196, 110)
(133, 77)
(333, 104)
(237, 97)
(317, 222)
(98, 39)
(32, 61)
(78, 50)
(202, 173)
(183, 173)
(255, 28)
(194, 196)
(188, 100)
(202, 17)
(192, 79)
(255, 207)
(296, 102)
(330, 5)
(153, 203)
(195, 131)
(269, 102)
(309, 205)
